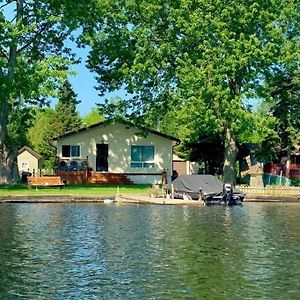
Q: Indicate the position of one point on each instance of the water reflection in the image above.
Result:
(92, 251)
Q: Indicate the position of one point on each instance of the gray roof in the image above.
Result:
(127, 123)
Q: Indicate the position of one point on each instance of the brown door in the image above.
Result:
(102, 158)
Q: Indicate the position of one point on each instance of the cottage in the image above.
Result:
(29, 161)
(116, 152)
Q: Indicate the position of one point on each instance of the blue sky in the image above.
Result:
(84, 83)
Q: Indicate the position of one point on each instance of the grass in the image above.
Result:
(75, 190)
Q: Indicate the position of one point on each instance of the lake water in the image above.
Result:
(94, 251)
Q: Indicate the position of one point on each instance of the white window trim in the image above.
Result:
(143, 161)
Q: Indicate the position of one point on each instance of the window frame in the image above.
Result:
(145, 164)
(71, 148)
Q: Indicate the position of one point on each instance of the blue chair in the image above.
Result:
(63, 166)
(83, 165)
(74, 165)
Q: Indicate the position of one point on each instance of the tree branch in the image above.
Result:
(45, 27)
(3, 54)
(13, 48)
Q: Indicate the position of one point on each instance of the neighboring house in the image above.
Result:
(295, 156)
(287, 168)
(107, 148)
(184, 167)
(29, 161)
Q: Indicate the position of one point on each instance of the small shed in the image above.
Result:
(184, 167)
(29, 161)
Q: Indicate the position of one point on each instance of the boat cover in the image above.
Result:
(208, 184)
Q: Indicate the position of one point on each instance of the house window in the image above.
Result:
(25, 166)
(70, 151)
(142, 156)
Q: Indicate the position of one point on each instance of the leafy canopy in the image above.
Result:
(201, 58)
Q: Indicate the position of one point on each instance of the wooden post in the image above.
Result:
(117, 196)
(200, 195)
(172, 191)
(287, 166)
(87, 170)
(164, 179)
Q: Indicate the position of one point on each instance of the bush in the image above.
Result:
(295, 181)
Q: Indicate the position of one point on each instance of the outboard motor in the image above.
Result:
(228, 194)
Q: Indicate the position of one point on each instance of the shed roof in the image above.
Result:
(32, 152)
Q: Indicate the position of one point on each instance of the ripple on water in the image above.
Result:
(92, 251)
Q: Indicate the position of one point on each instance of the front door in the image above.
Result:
(102, 158)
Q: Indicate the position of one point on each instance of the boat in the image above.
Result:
(207, 188)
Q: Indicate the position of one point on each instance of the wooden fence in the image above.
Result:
(271, 190)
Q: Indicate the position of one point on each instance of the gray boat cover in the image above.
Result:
(208, 184)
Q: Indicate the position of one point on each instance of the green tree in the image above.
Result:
(40, 134)
(92, 117)
(66, 117)
(34, 60)
(202, 56)
(284, 91)
(50, 123)
(20, 120)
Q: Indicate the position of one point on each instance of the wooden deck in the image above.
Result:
(83, 177)
(109, 178)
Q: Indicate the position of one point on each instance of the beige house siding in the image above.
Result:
(120, 138)
(27, 162)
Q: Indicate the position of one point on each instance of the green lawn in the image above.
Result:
(75, 190)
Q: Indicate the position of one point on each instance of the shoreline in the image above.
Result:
(273, 198)
(53, 199)
(130, 198)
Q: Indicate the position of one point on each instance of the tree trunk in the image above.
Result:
(8, 166)
(231, 150)
(8, 153)
(230, 155)
(287, 165)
